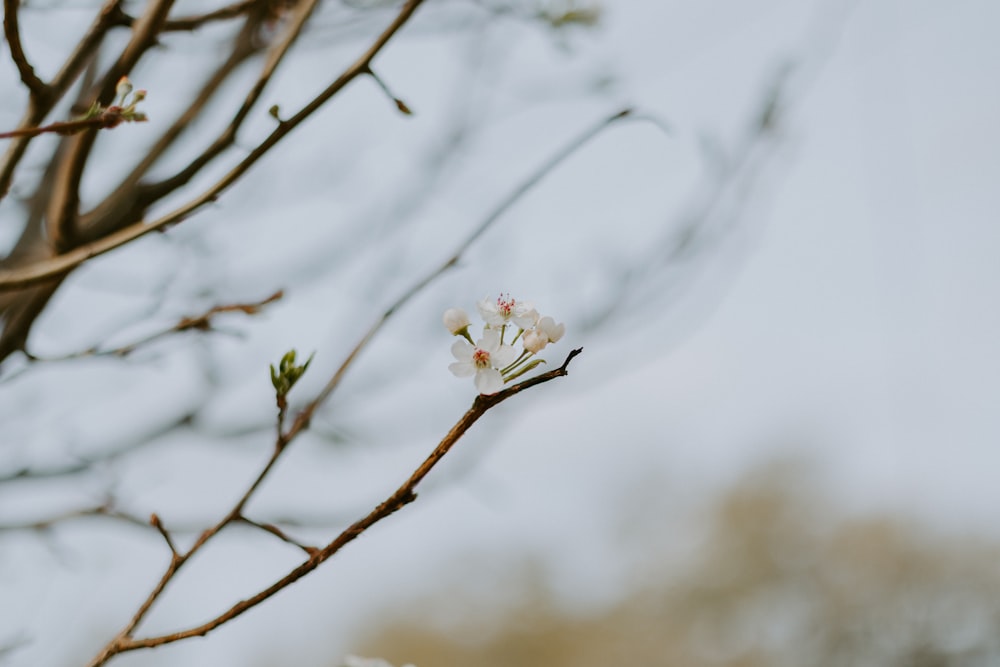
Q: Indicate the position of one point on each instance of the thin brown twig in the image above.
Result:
(86, 464)
(12, 32)
(108, 511)
(64, 200)
(107, 119)
(202, 322)
(63, 263)
(280, 534)
(244, 46)
(60, 84)
(155, 522)
(402, 106)
(41, 271)
(404, 495)
(105, 511)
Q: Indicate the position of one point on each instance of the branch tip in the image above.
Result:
(154, 521)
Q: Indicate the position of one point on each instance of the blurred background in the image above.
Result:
(779, 447)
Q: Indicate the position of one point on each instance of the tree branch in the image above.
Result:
(40, 271)
(12, 32)
(202, 322)
(39, 108)
(64, 201)
(62, 264)
(404, 495)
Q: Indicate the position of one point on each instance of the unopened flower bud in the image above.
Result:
(456, 321)
(122, 89)
(534, 341)
(552, 331)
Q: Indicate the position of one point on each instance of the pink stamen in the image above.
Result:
(481, 358)
(505, 305)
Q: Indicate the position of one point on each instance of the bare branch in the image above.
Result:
(404, 495)
(89, 463)
(155, 522)
(39, 108)
(280, 534)
(202, 322)
(62, 264)
(131, 199)
(41, 271)
(107, 119)
(12, 32)
(65, 197)
(104, 510)
(400, 104)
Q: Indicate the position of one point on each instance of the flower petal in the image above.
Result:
(489, 381)
(490, 340)
(534, 341)
(553, 331)
(488, 311)
(525, 316)
(462, 350)
(462, 369)
(503, 357)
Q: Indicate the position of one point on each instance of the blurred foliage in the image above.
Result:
(776, 582)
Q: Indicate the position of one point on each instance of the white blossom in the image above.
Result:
(506, 309)
(485, 360)
(545, 332)
(553, 331)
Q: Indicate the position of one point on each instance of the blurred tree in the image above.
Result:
(778, 581)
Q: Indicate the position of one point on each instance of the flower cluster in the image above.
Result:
(492, 360)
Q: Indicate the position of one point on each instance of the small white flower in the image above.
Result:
(485, 359)
(545, 332)
(553, 331)
(506, 309)
(456, 321)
